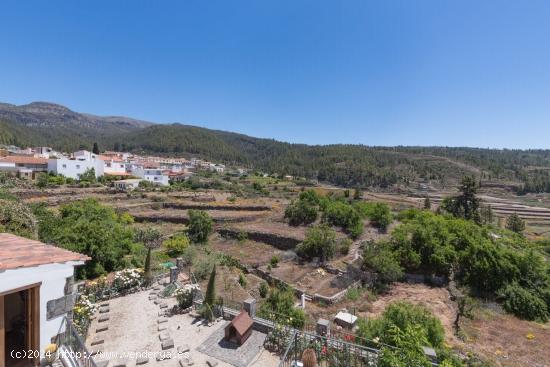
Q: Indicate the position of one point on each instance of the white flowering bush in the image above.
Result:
(83, 310)
(128, 279)
(185, 295)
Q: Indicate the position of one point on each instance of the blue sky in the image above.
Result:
(456, 73)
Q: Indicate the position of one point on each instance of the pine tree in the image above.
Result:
(427, 203)
(515, 223)
(95, 149)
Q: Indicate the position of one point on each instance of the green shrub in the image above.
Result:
(203, 267)
(403, 315)
(353, 294)
(200, 225)
(274, 261)
(523, 303)
(176, 245)
(242, 236)
(185, 296)
(381, 216)
(342, 214)
(263, 289)
(17, 218)
(89, 228)
(242, 280)
(380, 259)
(344, 245)
(279, 307)
(301, 212)
(320, 242)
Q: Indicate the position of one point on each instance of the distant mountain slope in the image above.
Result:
(41, 123)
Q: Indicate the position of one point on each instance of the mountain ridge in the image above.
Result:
(49, 124)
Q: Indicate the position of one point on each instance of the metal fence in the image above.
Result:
(69, 338)
(330, 352)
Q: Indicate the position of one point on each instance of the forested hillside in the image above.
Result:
(346, 165)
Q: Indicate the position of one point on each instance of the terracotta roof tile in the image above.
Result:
(18, 252)
(19, 159)
(242, 322)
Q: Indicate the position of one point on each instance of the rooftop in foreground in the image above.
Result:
(19, 252)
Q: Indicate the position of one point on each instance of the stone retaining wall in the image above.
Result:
(277, 241)
(248, 208)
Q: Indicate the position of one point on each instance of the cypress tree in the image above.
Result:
(210, 296)
(95, 149)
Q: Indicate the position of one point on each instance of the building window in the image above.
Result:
(78, 166)
(64, 166)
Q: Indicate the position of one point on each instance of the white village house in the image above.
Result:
(36, 293)
(127, 185)
(76, 166)
(153, 175)
(23, 166)
(113, 166)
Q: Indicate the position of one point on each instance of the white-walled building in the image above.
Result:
(23, 166)
(153, 175)
(74, 167)
(128, 184)
(84, 155)
(113, 166)
(36, 290)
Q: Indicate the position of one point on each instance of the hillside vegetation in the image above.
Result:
(345, 165)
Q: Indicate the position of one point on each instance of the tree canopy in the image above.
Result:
(90, 228)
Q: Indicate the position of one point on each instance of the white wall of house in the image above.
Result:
(73, 168)
(153, 175)
(114, 168)
(7, 166)
(84, 154)
(125, 185)
(53, 278)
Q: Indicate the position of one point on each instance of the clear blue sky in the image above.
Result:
(412, 72)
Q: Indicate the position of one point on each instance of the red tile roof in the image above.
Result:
(19, 159)
(242, 322)
(18, 252)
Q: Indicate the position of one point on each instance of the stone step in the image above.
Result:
(183, 349)
(97, 349)
(167, 344)
(141, 360)
(101, 328)
(164, 335)
(103, 318)
(120, 362)
(97, 341)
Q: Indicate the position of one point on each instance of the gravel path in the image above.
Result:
(133, 328)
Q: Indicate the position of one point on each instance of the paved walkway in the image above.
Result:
(133, 331)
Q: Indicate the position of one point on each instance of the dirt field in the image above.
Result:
(508, 341)
(247, 252)
(502, 339)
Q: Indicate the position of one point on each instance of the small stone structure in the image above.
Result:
(239, 329)
(345, 319)
(174, 271)
(322, 327)
(249, 305)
